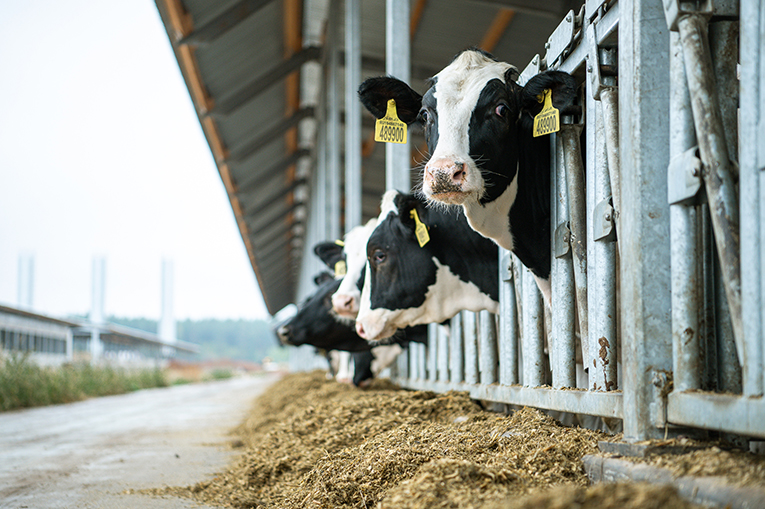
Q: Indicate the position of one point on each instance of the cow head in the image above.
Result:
(345, 301)
(405, 284)
(475, 118)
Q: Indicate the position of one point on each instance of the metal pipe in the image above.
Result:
(575, 185)
(562, 337)
(718, 180)
(685, 241)
(487, 337)
(414, 360)
(333, 123)
(533, 340)
(431, 357)
(353, 216)
(508, 322)
(397, 63)
(601, 267)
(752, 159)
(456, 359)
(471, 347)
(443, 354)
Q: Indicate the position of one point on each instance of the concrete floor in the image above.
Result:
(85, 454)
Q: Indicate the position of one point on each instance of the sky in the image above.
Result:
(102, 155)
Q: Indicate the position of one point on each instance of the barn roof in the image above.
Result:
(252, 68)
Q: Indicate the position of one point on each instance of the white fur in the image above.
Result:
(444, 299)
(492, 219)
(355, 250)
(384, 357)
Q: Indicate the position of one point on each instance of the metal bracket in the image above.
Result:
(560, 40)
(530, 71)
(601, 64)
(676, 9)
(562, 243)
(506, 266)
(684, 177)
(603, 221)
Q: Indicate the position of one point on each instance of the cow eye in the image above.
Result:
(424, 116)
(501, 110)
(378, 257)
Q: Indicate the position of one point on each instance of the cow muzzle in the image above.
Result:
(346, 306)
(444, 180)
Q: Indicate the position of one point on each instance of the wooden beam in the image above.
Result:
(414, 22)
(497, 29)
(224, 22)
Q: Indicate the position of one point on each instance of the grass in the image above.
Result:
(24, 384)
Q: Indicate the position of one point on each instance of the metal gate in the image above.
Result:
(657, 254)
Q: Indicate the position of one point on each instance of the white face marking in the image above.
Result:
(457, 90)
(384, 357)
(345, 301)
(444, 299)
(492, 219)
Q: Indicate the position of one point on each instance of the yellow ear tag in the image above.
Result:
(420, 230)
(340, 268)
(548, 120)
(340, 243)
(390, 129)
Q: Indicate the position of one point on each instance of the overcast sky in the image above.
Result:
(101, 154)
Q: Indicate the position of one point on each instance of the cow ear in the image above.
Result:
(406, 203)
(329, 252)
(562, 85)
(322, 278)
(374, 94)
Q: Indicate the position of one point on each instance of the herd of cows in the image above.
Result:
(433, 254)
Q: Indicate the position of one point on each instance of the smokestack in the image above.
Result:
(26, 277)
(167, 330)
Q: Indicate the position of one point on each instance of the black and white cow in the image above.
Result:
(406, 284)
(315, 324)
(478, 125)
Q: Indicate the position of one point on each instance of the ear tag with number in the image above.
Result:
(548, 120)
(390, 129)
(340, 268)
(340, 243)
(420, 230)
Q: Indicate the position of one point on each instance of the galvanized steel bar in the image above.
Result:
(562, 339)
(471, 346)
(397, 63)
(601, 263)
(609, 103)
(577, 203)
(422, 361)
(645, 293)
(353, 216)
(752, 186)
(685, 237)
(456, 359)
(414, 359)
(533, 340)
(508, 322)
(718, 179)
(487, 347)
(728, 367)
(334, 141)
(722, 412)
(432, 356)
(443, 354)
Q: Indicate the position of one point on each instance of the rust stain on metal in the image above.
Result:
(603, 352)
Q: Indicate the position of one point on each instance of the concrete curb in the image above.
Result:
(709, 491)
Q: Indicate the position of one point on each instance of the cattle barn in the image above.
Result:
(655, 320)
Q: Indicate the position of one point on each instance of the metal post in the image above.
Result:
(752, 185)
(686, 241)
(333, 123)
(471, 347)
(353, 216)
(533, 340)
(443, 354)
(645, 294)
(562, 339)
(718, 179)
(456, 359)
(508, 322)
(432, 354)
(487, 338)
(414, 360)
(397, 55)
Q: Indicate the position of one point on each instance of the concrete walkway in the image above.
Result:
(85, 454)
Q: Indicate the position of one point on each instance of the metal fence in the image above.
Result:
(657, 306)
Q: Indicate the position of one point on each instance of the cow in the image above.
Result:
(315, 324)
(407, 284)
(478, 124)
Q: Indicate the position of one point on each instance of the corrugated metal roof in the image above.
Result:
(239, 58)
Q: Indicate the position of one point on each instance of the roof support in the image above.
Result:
(497, 29)
(334, 139)
(234, 101)
(255, 182)
(353, 215)
(397, 63)
(224, 22)
(242, 152)
(275, 198)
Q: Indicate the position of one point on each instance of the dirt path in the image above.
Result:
(86, 454)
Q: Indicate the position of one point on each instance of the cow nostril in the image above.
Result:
(360, 330)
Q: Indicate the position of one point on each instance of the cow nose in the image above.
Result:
(445, 171)
(344, 304)
(360, 330)
(284, 334)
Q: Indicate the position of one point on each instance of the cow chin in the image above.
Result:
(375, 330)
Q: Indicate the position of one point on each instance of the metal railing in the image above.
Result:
(649, 258)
